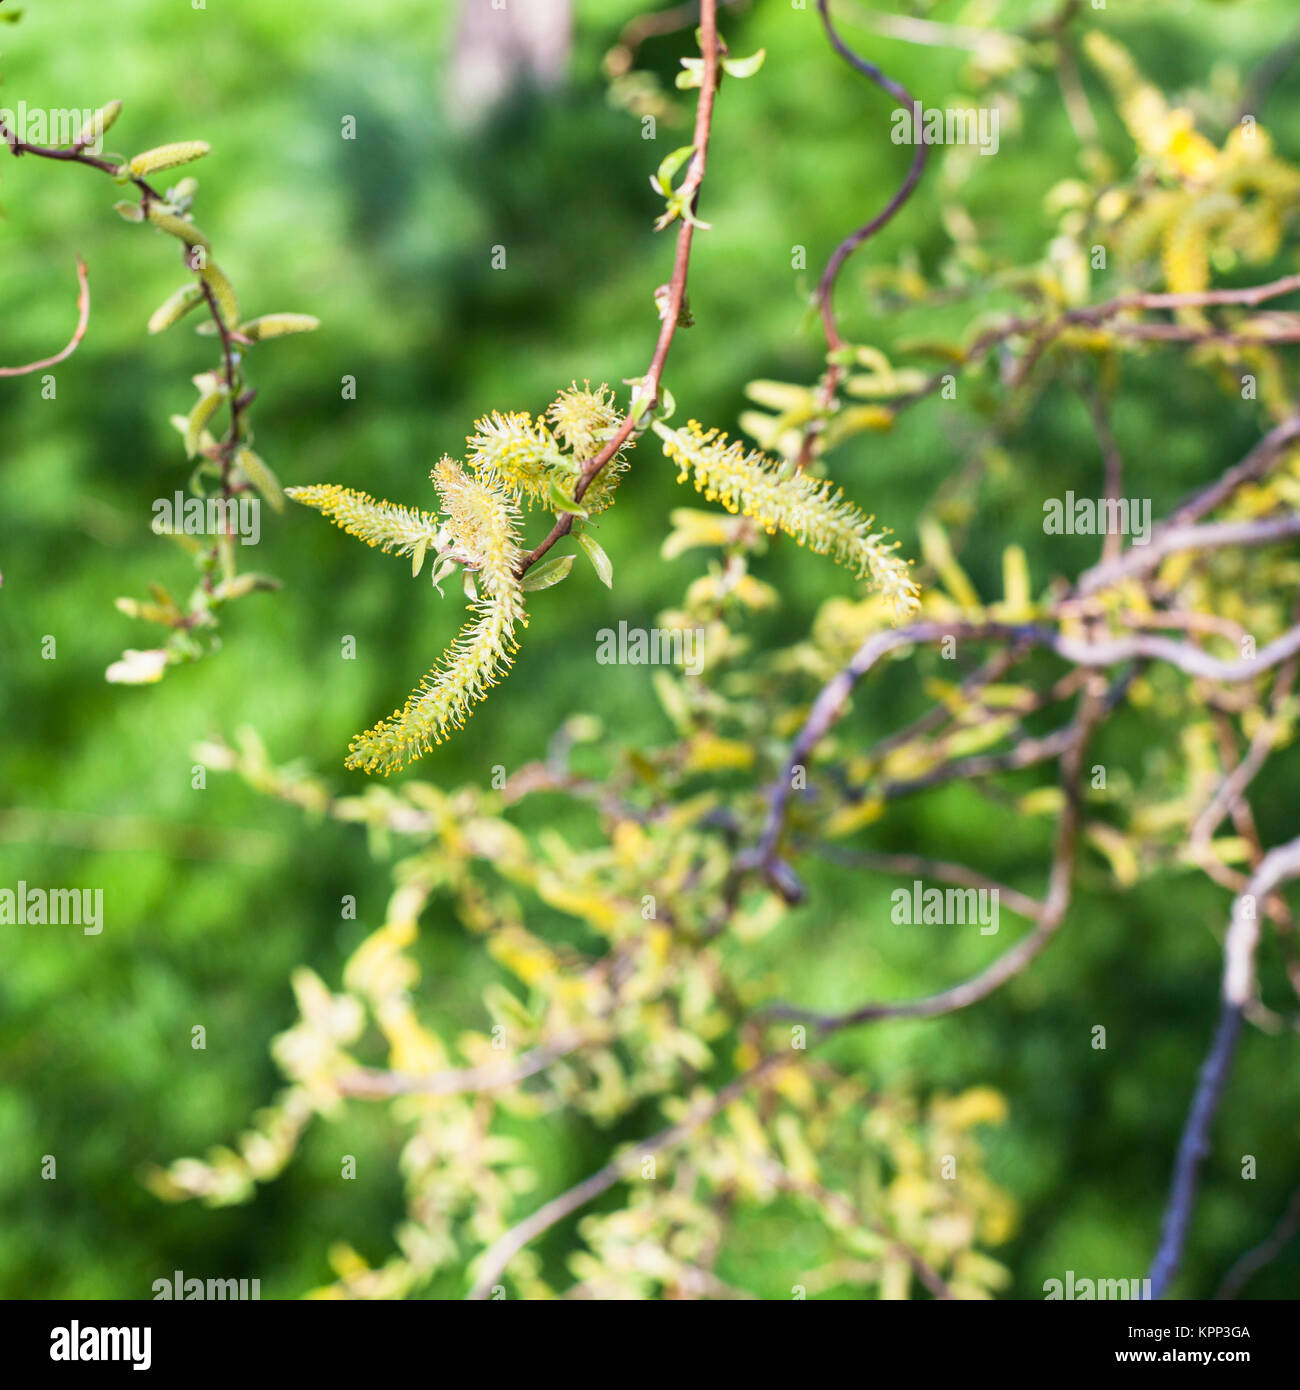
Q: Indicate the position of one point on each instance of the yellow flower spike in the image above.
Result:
(805, 508)
(481, 517)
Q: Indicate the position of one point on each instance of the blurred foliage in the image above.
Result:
(215, 897)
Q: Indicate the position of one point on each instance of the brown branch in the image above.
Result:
(824, 296)
(1265, 1252)
(383, 1085)
(1237, 993)
(1137, 559)
(504, 1250)
(657, 24)
(1012, 962)
(1042, 331)
(647, 393)
(78, 333)
(829, 705)
(781, 1177)
(938, 869)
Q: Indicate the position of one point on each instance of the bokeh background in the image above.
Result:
(213, 896)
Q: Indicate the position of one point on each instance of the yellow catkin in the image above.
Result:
(480, 517)
(531, 457)
(807, 509)
(388, 525)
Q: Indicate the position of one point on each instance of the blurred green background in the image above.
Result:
(213, 896)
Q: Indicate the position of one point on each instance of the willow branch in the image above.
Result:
(824, 296)
(78, 333)
(504, 1250)
(647, 393)
(1237, 992)
(1043, 331)
(383, 1085)
(1264, 1253)
(1138, 559)
(830, 704)
(1049, 917)
(940, 870)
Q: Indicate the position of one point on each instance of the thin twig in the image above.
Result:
(647, 393)
(78, 333)
(1238, 990)
(1265, 1252)
(499, 1255)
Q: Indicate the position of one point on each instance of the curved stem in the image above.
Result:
(78, 333)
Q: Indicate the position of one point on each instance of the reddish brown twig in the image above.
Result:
(78, 333)
(648, 391)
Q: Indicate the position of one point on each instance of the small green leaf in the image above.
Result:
(669, 166)
(744, 67)
(600, 561)
(640, 401)
(417, 558)
(561, 501)
(442, 570)
(692, 74)
(203, 467)
(547, 574)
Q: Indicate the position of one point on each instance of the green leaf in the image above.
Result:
(547, 574)
(560, 501)
(669, 166)
(600, 561)
(442, 570)
(417, 558)
(692, 74)
(744, 67)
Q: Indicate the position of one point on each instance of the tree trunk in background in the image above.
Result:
(503, 45)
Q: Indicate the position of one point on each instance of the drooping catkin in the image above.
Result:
(780, 498)
(481, 518)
